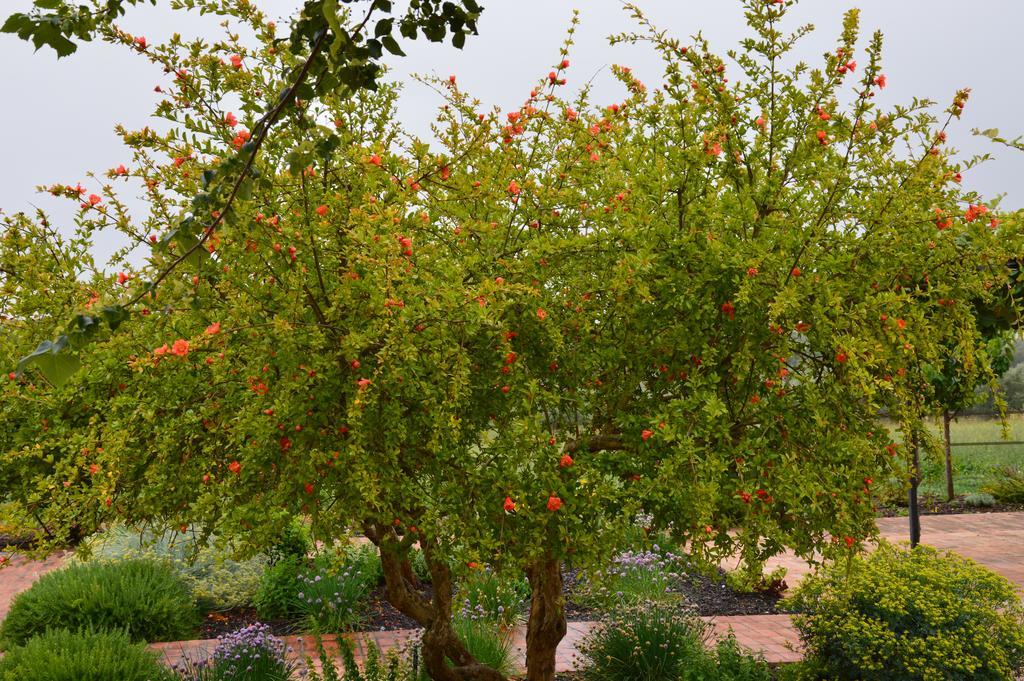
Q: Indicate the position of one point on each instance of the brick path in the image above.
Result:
(773, 635)
(20, 574)
(993, 539)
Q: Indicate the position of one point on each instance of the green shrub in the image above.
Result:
(633, 578)
(59, 655)
(143, 598)
(493, 596)
(663, 643)
(333, 590)
(217, 581)
(902, 614)
(394, 666)
(1006, 484)
(294, 542)
(487, 642)
(979, 500)
(278, 594)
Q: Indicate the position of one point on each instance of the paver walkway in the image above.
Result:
(993, 539)
(19, 575)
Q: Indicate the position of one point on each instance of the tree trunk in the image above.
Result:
(946, 418)
(444, 655)
(546, 626)
(913, 512)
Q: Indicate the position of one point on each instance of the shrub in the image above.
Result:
(293, 543)
(393, 666)
(278, 594)
(910, 614)
(144, 598)
(1006, 484)
(493, 596)
(60, 655)
(332, 591)
(486, 642)
(249, 654)
(218, 581)
(634, 577)
(661, 643)
(979, 500)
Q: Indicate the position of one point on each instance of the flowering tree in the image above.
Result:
(502, 345)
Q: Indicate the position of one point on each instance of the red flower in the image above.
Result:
(564, 64)
(505, 389)
(901, 323)
(309, 488)
(235, 467)
(565, 461)
(974, 212)
(802, 327)
(760, 122)
(751, 272)
(849, 541)
(881, 81)
(374, 160)
(554, 503)
(321, 210)
(509, 505)
(236, 61)
(729, 310)
(230, 119)
(162, 350)
(823, 137)
(240, 139)
(513, 188)
(646, 435)
(93, 199)
(285, 444)
(141, 43)
(841, 357)
(122, 278)
(121, 170)
(570, 114)
(745, 496)
(541, 314)
(180, 347)
(795, 272)
(363, 383)
(213, 329)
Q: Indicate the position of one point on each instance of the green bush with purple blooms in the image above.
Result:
(249, 654)
(634, 577)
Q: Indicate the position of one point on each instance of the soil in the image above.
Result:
(19, 542)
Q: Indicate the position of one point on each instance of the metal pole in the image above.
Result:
(913, 511)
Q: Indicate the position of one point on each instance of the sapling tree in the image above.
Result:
(501, 344)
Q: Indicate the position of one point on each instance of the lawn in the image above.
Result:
(973, 464)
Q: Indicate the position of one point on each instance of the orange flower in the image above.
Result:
(554, 503)
(213, 329)
(180, 347)
(235, 467)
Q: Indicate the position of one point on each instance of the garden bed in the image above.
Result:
(931, 505)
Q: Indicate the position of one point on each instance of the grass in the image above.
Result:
(972, 465)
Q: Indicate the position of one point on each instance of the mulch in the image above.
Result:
(708, 595)
(932, 505)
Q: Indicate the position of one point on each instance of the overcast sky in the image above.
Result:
(58, 118)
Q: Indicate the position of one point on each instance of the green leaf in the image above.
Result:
(53, 360)
(114, 315)
(391, 45)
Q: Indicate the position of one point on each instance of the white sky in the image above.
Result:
(58, 118)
